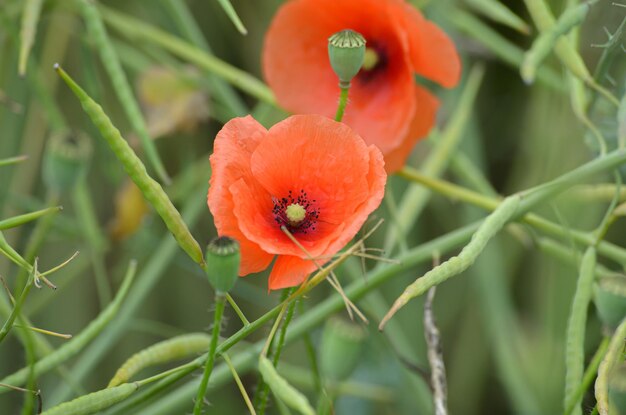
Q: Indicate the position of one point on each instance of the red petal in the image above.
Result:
(289, 271)
(230, 162)
(433, 54)
(423, 121)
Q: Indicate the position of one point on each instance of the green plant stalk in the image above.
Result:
(136, 29)
(343, 102)
(565, 51)
(614, 352)
(31, 358)
(456, 192)
(459, 263)
(574, 346)
(501, 47)
(220, 303)
(498, 12)
(237, 310)
(242, 389)
(54, 45)
(36, 240)
(568, 255)
(551, 32)
(276, 354)
(88, 221)
(259, 393)
(78, 342)
(12, 160)
(152, 191)
(17, 308)
(610, 49)
(20, 220)
(309, 320)
(147, 278)
(588, 377)
(121, 85)
(416, 198)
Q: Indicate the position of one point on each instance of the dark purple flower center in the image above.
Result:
(374, 64)
(297, 214)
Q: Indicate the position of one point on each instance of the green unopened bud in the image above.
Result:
(610, 300)
(346, 51)
(222, 263)
(617, 391)
(341, 348)
(65, 160)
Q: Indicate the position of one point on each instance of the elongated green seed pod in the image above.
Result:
(567, 54)
(282, 389)
(574, 347)
(120, 83)
(78, 342)
(606, 368)
(548, 38)
(152, 191)
(457, 264)
(176, 348)
(20, 220)
(94, 402)
(500, 13)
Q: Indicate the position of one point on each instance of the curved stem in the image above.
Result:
(220, 302)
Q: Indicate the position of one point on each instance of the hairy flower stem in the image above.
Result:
(343, 101)
(220, 302)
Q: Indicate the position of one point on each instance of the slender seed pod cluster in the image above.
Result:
(94, 402)
(176, 348)
(282, 389)
(151, 189)
(457, 264)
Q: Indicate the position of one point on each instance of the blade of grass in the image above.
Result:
(232, 15)
(136, 29)
(30, 17)
(121, 86)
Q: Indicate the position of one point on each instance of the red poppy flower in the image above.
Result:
(310, 174)
(386, 107)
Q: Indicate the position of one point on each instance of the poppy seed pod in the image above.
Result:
(65, 160)
(222, 263)
(610, 300)
(340, 350)
(346, 51)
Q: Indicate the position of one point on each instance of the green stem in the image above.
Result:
(277, 352)
(490, 203)
(343, 102)
(220, 302)
(306, 322)
(18, 305)
(237, 310)
(87, 218)
(589, 376)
